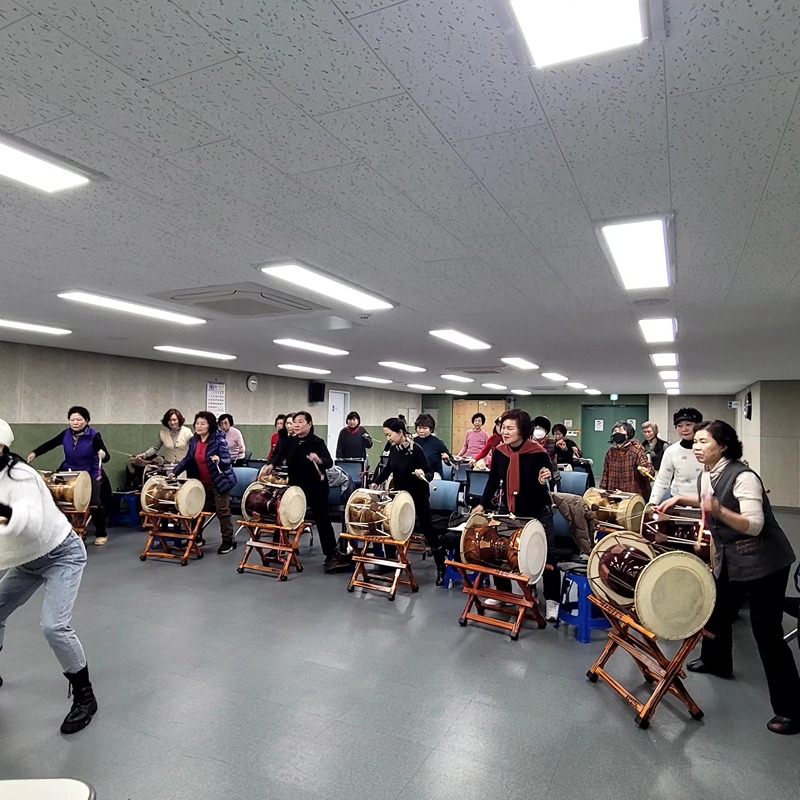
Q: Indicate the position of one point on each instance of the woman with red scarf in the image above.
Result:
(523, 467)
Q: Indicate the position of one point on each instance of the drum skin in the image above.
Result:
(373, 512)
(72, 491)
(675, 532)
(162, 495)
(620, 508)
(274, 503)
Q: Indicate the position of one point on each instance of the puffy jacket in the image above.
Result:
(224, 477)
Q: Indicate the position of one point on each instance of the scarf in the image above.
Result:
(355, 430)
(513, 474)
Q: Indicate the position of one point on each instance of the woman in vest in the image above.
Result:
(84, 451)
(173, 438)
(209, 461)
(753, 559)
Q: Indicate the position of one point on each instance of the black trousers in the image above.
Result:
(97, 514)
(318, 505)
(422, 507)
(766, 619)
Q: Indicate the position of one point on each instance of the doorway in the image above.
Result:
(596, 425)
(338, 409)
(463, 411)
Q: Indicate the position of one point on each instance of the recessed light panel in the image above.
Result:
(592, 391)
(461, 339)
(555, 376)
(370, 379)
(576, 385)
(33, 327)
(399, 365)
(638, 251)
(421, 387)
(658, 331)
(520, 391)
(24, 167)
(519, 363)
(672, 385)
(457, 378)
(498, 386)
(314, 348)
(309, 370)
(455, 391)
(669, 374)
(673, 391)
(664, 359)
(112, 304)
(187, 351)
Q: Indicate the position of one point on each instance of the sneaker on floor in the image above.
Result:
(338, 563)
(226, 547)
(491, 602)
(100, 541)
(551, 611)
(200, 541)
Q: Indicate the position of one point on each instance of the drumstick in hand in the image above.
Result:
(316, 466)
(421, 475)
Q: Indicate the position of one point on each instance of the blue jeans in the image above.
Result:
(60, 571)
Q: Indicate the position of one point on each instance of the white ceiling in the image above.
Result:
(400, 146)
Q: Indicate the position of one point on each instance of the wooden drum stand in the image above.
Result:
(192, 527)
(78, 519)
(363, 558)
(664, 674)
(285, 551)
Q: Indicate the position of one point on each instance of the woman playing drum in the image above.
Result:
(84, 451)
(753, 558)
(523, 467)
(209, 461)
(411, 473)
(173, 438)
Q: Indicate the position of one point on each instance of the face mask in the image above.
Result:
(618, 438)
(539, 433)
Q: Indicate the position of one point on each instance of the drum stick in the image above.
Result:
(122, 453)
(316, 466)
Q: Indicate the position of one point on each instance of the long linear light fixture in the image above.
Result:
(399, 365)
(316, 282)
(570, 29)
(555, 376)
(23, 166)
(638, 251)
(455, 391)
(521, 391)
(577, 385)
(457, 378)
(309, 370)
(592, 391)
(498, 386)
(461, 339)
(421, 387)
(314, 348)
(370, 379)
(33, 327)
(519, 363)
(112, 304)
(187, 351)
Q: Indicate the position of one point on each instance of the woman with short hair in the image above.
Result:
(173, 438)
(234, 438)
(474, 440)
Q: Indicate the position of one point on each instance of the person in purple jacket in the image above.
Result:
(84, 451)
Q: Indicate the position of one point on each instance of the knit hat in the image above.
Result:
(542, 422)
(687, 414)
(6, 434)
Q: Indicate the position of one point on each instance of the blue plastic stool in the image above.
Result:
(452, 575)
(588, 618)
(125, 509)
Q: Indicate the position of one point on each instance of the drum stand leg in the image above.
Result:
(665, 674)
(286, 550)
(371, 581)
(79, 520)
(192, 527)
(517, 607)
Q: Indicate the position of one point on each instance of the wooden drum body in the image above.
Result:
(72, 491)
(274, 503)
(676, 532)
(672, 594)
(161, 495)
(372, 512)
(619, 508)
(517, 545)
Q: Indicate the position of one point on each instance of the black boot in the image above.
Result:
(438, 559)
(84, 704)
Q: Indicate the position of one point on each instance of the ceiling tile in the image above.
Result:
(308, 50)
(715, 44)
(11, 12)
(453, 59)
(152, 41)
(234, 99)
(784, 180)
(20, 109)
(607, 106)
(354, 8)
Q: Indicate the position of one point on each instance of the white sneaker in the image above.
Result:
(551, 611)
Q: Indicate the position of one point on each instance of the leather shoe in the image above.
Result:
(783, 725)
(698, 665)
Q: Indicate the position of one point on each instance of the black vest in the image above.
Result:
(747, 557)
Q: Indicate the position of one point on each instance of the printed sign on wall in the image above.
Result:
(599, 425)
(215, 398)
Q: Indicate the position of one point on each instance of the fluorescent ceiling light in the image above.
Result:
(520, 391)
(657, 331)
(186, 351)
(592, 391)
(576, 385)
(569, 29)
(554, 376)
(401, 366)
(493, 386)
(24, 167)
(457, 378)
(421, 386)
(310, 370)
(665, 359)
(369, 379)
(315, 282)
(32, 327)
(669, 374)
(314, 348)
(455, 391)
(672, 385)
(461, 339)
(519, 363)
(109, 303)
(673, 391)
(638, 251)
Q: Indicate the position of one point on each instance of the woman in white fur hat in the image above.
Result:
(38, 546)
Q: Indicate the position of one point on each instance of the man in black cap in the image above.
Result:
(679, 468)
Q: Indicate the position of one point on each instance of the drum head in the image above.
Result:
(402, 516)
(533, 550)
(190, 499)
(147, 491)
(630, 512)
(292, 508)
(599, 587)
(253, 487)
(479, 520)
(675, 595)
(81, 491)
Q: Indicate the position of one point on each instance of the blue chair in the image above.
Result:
(354, 469)
(460, 472)
(244, 477)
(444, 496)
(573, 483)
(580, 613)
(447, 472)
(476, 483)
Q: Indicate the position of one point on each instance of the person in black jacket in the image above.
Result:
(354, 441)
(411, 471)
(524, 467)
(307, 458)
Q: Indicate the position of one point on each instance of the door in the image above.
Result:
(463, 411)
(338, 409)
(596, 425)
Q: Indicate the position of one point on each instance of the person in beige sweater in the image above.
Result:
(173, 438)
